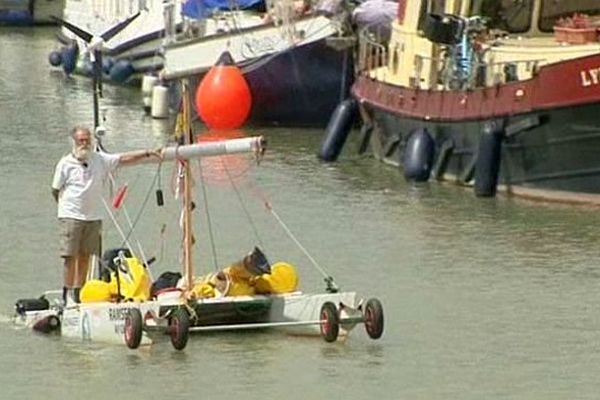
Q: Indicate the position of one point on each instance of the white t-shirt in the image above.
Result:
(80, 185)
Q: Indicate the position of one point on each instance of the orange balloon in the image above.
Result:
(223, 98)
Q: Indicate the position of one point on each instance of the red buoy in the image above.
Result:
(223, 97)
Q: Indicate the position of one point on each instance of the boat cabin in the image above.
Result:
(464, 44)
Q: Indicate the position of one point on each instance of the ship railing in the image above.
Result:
(439, 73)
(372, 51)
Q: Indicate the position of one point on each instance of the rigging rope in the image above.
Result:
(237, 192)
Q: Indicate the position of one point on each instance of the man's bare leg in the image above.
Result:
(80, 277)
(69, 276)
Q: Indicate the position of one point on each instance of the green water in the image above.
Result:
(483, 298)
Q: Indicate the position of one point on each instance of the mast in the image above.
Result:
(187, 191)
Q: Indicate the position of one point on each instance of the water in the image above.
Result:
(483, 298)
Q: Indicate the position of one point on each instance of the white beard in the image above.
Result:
(81, 152)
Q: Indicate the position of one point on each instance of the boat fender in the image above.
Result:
(160, 102)
(441, 163)
(48, 324)
(55, 58)
(337, 130)
(107, 64)
(366, 131)
(468, 172)
(487, 167)
(148, 83)
(69, 58)
(24, 305)
(121, 71)
(418, 156)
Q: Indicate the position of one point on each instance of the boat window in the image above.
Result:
(552, 10)
(431, 7)
(513, 16)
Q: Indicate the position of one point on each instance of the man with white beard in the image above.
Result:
(77, 187)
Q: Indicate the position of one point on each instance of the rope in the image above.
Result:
(111, 177)
(237, 192)
(331, 286)
(139, 214)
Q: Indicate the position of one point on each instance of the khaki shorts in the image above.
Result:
(79, 238)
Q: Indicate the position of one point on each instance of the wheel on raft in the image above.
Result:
(179, 328)
(330, 322)
(133, 328)
(373, 315)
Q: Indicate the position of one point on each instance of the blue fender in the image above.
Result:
(55, 58)
(121, 71)
(69, 58)
(337, 130)
(487, 166)
(418, 156)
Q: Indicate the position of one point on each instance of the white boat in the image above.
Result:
(178, 310)
(134, 51)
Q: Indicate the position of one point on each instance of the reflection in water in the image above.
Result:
(223, 170)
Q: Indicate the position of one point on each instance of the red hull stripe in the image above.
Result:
(565, 84)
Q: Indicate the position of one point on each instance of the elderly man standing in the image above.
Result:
(77, 187)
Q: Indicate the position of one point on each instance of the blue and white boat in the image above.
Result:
(283, 47)
(296, 75)
(128, 55)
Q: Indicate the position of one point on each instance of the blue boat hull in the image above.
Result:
(299, 87)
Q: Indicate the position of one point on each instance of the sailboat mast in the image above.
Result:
(187, 192)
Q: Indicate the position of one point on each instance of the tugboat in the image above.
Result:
(497, 95)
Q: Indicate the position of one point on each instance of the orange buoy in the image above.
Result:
(223, 97)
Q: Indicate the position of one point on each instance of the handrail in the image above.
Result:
(373, 54)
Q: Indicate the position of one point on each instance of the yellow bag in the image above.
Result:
(282, 279)
(94, 291)
(134, 282)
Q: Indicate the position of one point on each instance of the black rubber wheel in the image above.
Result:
(133, 328)
(179, 328)
(330, 322)
(374, 318)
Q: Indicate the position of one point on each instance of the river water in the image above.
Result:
(483, 298)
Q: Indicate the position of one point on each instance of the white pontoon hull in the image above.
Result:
(295, 313)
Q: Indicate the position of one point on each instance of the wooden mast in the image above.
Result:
(187, 192)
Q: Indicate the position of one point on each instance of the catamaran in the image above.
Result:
(122, 309)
